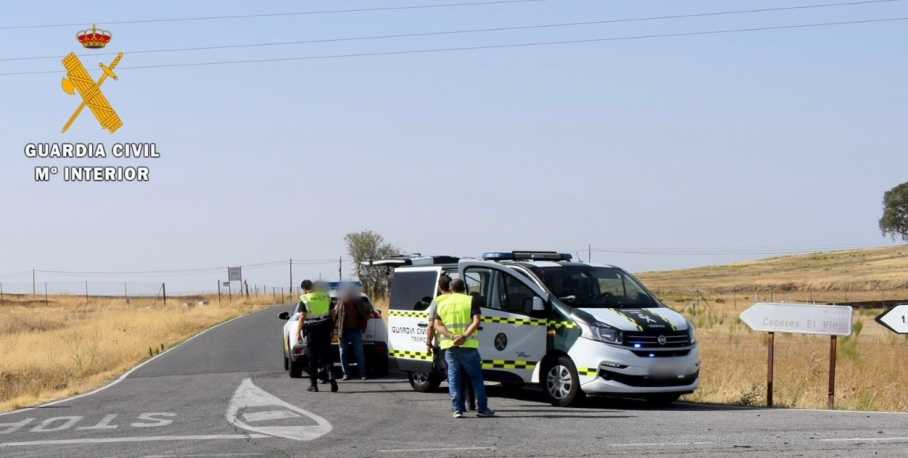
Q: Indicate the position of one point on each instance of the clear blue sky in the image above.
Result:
(770, 140)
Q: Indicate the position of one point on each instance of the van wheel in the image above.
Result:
(662, 399)
(286, 362)
(560, 382)
(424, 381)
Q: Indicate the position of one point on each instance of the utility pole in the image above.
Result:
(34, 291)
(291, 275)
(589, 253)
(340, 267)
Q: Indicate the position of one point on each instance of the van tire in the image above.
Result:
(561, 383)
(424, 382)
(286, 362)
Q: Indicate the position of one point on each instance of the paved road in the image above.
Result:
(223, 394)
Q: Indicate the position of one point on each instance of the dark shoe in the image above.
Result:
(313, 388)
(345, 378)
(458, 414)
(486, 413)
(333, 385)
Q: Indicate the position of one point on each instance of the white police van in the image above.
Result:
(574, 328)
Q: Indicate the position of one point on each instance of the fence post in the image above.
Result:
(86, 292)
(125, 292)
(282, 294)
(219, 291)
(1, 294)
(164, 290)
(45, 294)
(247, 288)
(230, 292)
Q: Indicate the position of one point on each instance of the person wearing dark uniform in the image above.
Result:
(315, 317)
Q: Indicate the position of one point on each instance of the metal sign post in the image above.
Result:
(830, 320)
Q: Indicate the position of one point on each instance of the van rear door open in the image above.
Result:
(412, 291)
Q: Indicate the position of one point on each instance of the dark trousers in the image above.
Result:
(318, 349)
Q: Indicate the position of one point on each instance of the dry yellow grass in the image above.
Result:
(66, 347)
(872, 364)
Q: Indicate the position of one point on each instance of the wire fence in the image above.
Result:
(131, 291)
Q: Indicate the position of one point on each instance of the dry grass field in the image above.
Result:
(872, 363)
(68, 346)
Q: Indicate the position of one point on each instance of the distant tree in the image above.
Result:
(894, 222)
(366, 245)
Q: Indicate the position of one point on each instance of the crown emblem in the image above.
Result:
(94, 38)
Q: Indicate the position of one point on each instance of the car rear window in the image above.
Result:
(408, 289)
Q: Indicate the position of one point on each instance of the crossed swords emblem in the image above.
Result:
(79, 80)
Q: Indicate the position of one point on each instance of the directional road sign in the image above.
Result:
(829, 320)
(235, 273)
(896, 319)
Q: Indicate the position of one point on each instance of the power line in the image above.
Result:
(469, 31)
(474, 48)
(264, 15)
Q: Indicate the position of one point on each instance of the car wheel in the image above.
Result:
(662, 399)
(424, 381)
(560, 382)
(296, 368)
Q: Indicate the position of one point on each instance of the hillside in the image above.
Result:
(867, 270)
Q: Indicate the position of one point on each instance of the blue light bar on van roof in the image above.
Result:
(526, 256)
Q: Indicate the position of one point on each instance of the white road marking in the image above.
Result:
(156, 421)
(45, 426)
(10, 427)
(661, 444)
(269, 415)
(867, 439)
(122, 377)
(103, 424)
(108, 440)
(425, 450)
(249, 395)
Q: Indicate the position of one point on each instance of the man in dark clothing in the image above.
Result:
(351, 314)
(315, 318)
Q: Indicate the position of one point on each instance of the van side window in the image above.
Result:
(519, 296)
(480, 284)
(410, 290)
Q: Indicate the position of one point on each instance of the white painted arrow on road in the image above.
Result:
(249, 396)
(896, 319)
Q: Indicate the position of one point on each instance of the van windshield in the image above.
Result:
(595, 287)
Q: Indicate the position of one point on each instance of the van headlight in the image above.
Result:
(691, 333)
(601, 332)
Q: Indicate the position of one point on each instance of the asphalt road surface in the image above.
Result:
(224, 394)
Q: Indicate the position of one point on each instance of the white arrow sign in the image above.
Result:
(256, 410)
(896, 319)
(829, 320)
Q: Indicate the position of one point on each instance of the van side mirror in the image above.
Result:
(538, 305)
(284, 316)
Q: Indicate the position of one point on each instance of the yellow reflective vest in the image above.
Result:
(318, 305)
(454, 313)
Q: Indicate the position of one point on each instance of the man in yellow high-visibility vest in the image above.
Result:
(438, 356)
(316, 317)
(457, 323)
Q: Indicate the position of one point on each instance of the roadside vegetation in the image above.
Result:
(872, 363)
(69, 345)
